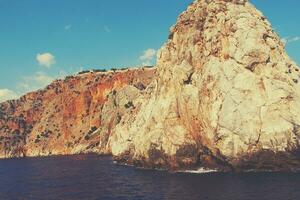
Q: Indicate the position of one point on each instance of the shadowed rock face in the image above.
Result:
(70, 116)
(224, 96)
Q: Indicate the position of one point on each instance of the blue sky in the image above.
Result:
(41, 40)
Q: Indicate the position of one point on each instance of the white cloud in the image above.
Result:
(6, 94)
(284, 41)
(148, 57)
(294, 39)
(288, 40)
(148, 54)
(45, 59)
(68, 27)
(37, 81)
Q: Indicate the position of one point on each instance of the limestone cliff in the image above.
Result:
(65, 117)
(224, 95)
(227, 96)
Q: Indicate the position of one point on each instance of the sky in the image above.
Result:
(43, 40)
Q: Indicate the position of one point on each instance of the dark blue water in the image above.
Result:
(88, 177)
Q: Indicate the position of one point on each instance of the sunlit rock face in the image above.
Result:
(226, 96)
(70, 116)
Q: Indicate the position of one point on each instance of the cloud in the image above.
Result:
(6, 94)
(68, 27)
(288, 40)
(45, 59)
(148, 57)
(284, 41)
(148, 54)
(37, 81)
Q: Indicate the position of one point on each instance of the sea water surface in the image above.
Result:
(92, 177)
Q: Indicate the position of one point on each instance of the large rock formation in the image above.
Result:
(225, 96)
(65, 117)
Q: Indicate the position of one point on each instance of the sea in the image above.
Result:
(93, 177)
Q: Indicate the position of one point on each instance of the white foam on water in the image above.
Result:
(201, 170)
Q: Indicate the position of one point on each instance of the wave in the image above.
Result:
(200, 170)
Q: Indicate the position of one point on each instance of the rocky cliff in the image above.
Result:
(224, 96)
(70, 116)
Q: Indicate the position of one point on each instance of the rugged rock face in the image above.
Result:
(65, 117)
(226, 97)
